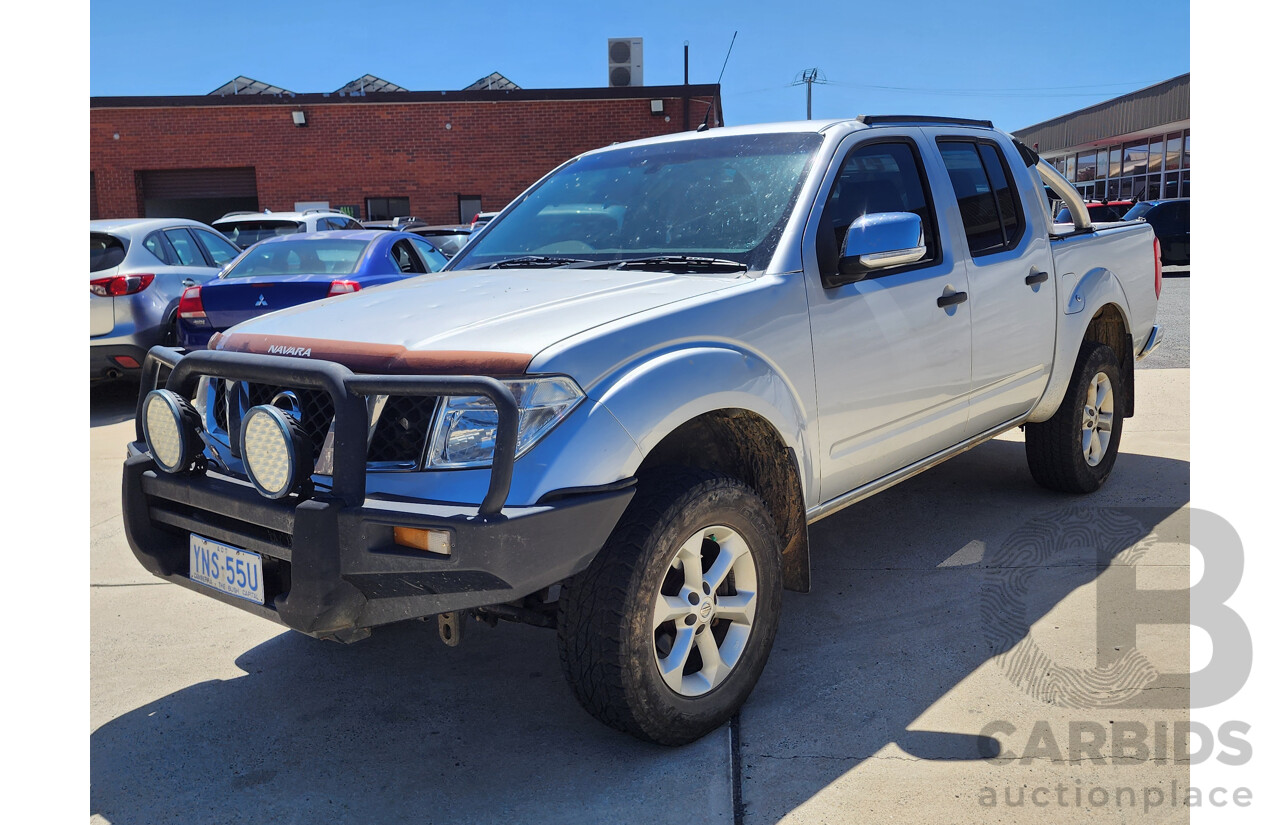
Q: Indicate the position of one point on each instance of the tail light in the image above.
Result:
(342, 288)
(190, 307)
(1159, 271)
(120, 285)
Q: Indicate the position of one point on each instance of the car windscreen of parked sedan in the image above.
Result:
(247, 233)
(290, 270)
(335, 256)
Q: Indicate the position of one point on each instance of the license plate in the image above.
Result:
(227, 568)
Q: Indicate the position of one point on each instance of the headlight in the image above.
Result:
(466, 428)
(171, 427)
(276, 452)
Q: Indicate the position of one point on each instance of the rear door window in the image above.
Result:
(405, 258)
(185, 246)
(989, 204)
(105, 251)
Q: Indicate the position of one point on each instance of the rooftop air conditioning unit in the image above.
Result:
(626, 63)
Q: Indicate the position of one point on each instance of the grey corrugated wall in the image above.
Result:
(1167, 102)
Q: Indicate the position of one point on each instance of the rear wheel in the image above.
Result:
(667, 631)
(1075, 450)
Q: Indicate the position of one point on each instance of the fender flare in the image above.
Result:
(1095, 290)
(706, 377)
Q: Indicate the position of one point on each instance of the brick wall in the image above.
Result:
(430, 152)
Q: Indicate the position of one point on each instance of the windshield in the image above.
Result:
(311, 257)
(723, 197)
(448, 243)
(245, 234)
(1138, 210)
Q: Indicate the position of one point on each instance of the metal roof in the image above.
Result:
(369, 83)
(248, 86)
(1157, 105)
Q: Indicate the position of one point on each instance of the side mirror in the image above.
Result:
(880, 240)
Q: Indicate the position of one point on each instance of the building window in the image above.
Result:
(385, 209)
(1086, 166)
(468, 207)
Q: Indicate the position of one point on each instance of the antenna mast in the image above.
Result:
(809, 77)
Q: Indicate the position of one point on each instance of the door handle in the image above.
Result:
(188, 282)
(953, 299)
(1037, 278)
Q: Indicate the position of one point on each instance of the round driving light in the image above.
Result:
(276, 451)
(171, 427)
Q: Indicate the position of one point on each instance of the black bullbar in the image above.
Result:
(330, 564)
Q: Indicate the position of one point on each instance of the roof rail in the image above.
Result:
(877, 120)
(233, 214)
(314, 211)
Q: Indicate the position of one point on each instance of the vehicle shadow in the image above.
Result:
(396, 728)
(111, 402)
(399, 727)
(922, 585)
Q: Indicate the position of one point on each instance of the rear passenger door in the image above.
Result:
(1010, 268)
(891, 363)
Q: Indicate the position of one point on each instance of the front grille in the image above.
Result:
(316, 409)
(402, 428)
(220, 404)
(399, 436)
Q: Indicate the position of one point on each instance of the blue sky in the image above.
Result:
(889, 57)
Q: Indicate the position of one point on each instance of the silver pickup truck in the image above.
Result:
(618, 409)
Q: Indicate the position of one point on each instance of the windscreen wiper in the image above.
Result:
(676, 262)
(533, 261)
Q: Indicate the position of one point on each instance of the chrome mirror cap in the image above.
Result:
(880, 240)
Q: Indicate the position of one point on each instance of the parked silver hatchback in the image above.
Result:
(138, 268)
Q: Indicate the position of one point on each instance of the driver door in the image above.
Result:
(892, 364)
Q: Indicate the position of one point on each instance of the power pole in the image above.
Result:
(809, 77)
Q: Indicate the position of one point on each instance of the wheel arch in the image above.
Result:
(1096, 310)
(746, 446)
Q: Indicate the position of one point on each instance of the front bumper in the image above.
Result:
(330, 563)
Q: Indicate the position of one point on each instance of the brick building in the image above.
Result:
(440, 156)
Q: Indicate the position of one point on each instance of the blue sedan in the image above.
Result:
(293, 269)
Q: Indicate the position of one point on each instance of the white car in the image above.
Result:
(247, 228)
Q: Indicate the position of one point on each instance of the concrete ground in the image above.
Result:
(937, 606)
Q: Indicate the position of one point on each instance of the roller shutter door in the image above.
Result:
(180, 184)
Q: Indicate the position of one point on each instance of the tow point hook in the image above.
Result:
(450, 627)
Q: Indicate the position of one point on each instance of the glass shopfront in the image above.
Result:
(1148, 169)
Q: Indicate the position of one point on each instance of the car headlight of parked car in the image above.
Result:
(466, 428)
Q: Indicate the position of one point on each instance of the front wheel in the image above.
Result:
(1075, 450)
(667, 631)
